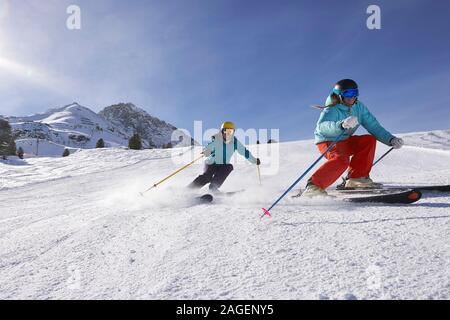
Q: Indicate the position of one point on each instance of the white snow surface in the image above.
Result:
(31, 147)
(77, 228)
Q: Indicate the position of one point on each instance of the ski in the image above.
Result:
(437, 188)
(376, 186)
(392, 196)
(383, 195)
(369, 191)
(229, 193)
(206, 198)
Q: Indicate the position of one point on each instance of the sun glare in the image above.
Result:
(15, 68)
(4, 9)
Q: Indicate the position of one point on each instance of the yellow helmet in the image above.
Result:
(228, 125)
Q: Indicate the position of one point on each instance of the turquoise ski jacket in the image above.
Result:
(329, 127)
(220, 152)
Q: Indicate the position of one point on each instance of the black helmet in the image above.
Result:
(346, 88)
(343, 85)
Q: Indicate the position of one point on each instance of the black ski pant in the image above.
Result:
(214, 174)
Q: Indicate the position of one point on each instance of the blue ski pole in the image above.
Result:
(267, 211)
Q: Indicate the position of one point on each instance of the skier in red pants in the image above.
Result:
(344, 113)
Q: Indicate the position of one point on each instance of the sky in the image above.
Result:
(261, 64)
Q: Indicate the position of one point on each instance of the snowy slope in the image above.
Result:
(435, 139)
(31, 147)
(76, 227)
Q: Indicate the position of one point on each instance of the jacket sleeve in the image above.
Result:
(209, 149)
(243, 151)
(328, 125)
(372, 125)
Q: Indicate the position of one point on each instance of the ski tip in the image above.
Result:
(141, 194)
(415, 195)
(206, 197)
(265, 213)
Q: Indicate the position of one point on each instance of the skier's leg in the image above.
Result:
(363, 150)
(338, 160)
(206, 177)
(221, 174)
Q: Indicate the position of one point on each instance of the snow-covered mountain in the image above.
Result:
(76, 228)
(77, 126)
(437, 139)
(153, 131)
(72, 125)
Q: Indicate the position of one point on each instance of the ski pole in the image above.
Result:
(267, 211)
(259, 175)
(171, 175)
(257, 166)
(384, 155)
(342, 185)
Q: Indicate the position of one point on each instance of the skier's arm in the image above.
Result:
(243, 151)
(328, 126)
(372, 125)
(209, 149)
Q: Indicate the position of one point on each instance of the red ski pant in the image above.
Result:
(361, 149)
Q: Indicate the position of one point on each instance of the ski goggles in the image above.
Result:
(350, 93)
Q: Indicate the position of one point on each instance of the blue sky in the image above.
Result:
(258, 63)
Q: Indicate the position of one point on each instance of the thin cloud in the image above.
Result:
(32, 75)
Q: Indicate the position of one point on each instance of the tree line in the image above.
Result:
(8, 145)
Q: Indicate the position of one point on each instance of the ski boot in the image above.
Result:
(313, 191)
(361, 183)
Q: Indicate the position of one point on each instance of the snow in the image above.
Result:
(435, 139)
(76, 228)
(31, 147)
(82, 162)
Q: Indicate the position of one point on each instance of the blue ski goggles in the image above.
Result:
(350, 93)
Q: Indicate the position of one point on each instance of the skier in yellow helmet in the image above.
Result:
(218, 153)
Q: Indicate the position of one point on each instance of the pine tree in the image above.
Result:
(135, 142)
(100, 143)
(20, 152)
(66, 152)
(3, 147)
(7, 144)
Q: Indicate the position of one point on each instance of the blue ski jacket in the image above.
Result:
(329, 125)
(220, 152)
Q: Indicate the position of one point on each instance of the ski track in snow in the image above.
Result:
(76, 228)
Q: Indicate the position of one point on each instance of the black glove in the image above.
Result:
(258, 162)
